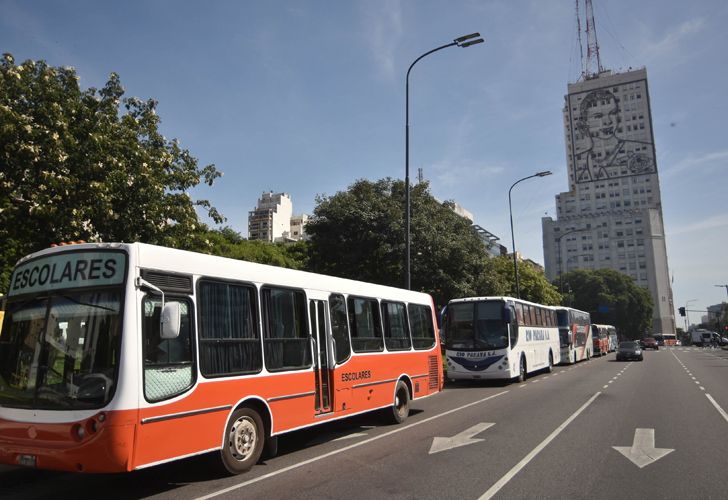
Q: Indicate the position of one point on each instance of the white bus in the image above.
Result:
(116, 357)
(574, 334)
(499, 338)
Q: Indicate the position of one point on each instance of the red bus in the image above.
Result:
(116, 357)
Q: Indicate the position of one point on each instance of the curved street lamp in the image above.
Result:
(462, 41)
(513, 239)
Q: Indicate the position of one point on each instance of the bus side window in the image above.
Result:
(168, 366)
(285, 330)
(420, 319)
(365, 325)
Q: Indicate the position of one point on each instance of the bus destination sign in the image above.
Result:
(68, 270)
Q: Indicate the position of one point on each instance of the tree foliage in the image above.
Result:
(498, 279)
(228, 243)
(612, 298)
(88, 165)
(359, 234)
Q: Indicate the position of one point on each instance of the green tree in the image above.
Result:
(612, 298)
(498, 279)
(226, 242)
(88, 165)
(359, 234)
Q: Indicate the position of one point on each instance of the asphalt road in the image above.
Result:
(551, 437)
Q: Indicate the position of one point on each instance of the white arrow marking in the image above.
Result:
(643, 451)
(464, 438)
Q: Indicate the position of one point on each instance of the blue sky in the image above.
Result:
(305, 97)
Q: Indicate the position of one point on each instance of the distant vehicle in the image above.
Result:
(499, 338)
(669, 339)
(600, 337)
(701, 337)
(613, 340)
(678, 342)
(574, 334)
(650, 343)
(659, 338)
(629, 350)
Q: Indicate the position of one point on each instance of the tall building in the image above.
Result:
(272, 219)
(611, 217)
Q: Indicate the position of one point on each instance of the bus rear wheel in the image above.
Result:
(551, 363)
(244, 440)
(399, 411)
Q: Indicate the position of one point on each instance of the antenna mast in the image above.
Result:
(593, 63)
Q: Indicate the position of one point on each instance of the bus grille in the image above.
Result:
(434, 371)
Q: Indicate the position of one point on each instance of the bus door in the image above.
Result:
(322, 366)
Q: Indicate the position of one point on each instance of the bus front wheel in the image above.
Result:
(551, 363)
(244, 440)
(522, 372)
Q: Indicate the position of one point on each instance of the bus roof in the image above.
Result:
(182, 261)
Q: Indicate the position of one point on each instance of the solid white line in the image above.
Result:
(520, 465)
(717, 407)
(346, 448)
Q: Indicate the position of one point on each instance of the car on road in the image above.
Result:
(649, 343)
(629, 350)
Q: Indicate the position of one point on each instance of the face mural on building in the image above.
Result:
(600, 149)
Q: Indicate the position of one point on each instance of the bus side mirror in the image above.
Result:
(171, 320)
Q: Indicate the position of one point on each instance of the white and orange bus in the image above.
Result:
(575, 334)
(116, 357)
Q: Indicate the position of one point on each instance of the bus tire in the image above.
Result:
(244, 441)
(399, 411)
(270, 447)
(522, 371)
(551, 363)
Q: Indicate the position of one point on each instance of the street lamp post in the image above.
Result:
(513, 239)
(463, 41)
(687, 315)
(558, 247)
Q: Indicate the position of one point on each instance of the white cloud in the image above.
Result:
(705, 161)
(384, 29)
(466, 172)
(670, 45)
(703, 225)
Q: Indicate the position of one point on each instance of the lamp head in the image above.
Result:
(544, 173)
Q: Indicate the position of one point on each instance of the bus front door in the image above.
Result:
(322, 371)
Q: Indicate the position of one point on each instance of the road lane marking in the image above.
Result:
(717, 407)
(341, 450)
(643, 451)
(605, 387)
(520, 465)
(463, 438)
(702, 388)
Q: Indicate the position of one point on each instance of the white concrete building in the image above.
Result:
(611, 217)
(271, 218)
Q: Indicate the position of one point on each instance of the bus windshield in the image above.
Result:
(61, 351)
(562, 318)
(476, 325)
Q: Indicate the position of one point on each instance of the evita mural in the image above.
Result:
(600, 149)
